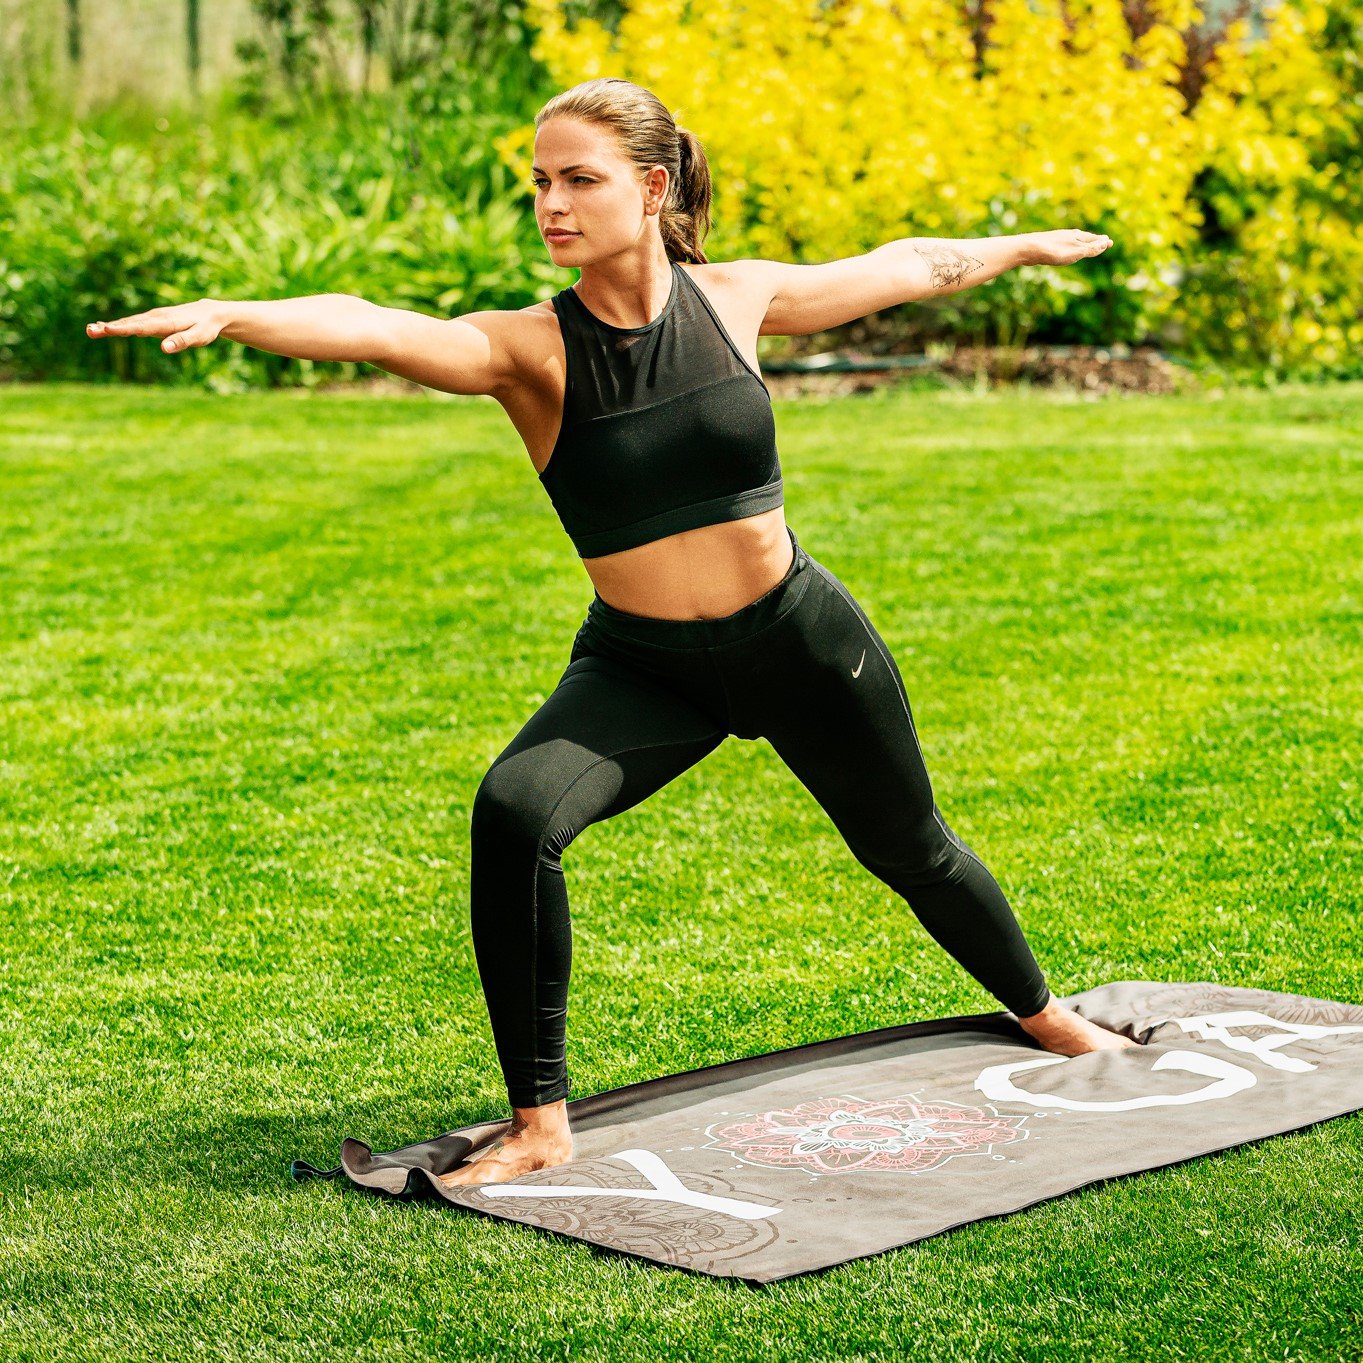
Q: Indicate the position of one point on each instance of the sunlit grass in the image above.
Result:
(258, 653)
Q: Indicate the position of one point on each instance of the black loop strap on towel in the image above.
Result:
(301, 1169)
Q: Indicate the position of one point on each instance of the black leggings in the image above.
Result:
(644, 698)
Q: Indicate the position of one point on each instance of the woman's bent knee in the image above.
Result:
(510, 809)
(922, 855)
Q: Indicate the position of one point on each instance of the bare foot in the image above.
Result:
(538, 1143)
(1063, 1031)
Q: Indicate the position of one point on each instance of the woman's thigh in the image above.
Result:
(602, 741)
(822, 687)
(605, 738)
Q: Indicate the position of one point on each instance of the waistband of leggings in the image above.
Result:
(756, 615)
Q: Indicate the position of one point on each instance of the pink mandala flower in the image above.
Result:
(835, 1135)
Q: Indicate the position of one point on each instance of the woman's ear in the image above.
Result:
(655, 189)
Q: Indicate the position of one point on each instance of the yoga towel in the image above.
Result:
(785, 1163)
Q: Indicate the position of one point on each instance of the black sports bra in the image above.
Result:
(665, 427)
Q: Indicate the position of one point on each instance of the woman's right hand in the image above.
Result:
(183, 325)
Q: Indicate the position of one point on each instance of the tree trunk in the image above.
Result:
(192, 33)
(73, 31)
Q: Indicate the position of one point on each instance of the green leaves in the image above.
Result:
(371, 201)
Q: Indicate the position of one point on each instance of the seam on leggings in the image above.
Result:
(539, 850)
(717, 653)
(955, 842)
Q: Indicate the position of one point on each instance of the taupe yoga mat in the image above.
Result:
(780, 1164)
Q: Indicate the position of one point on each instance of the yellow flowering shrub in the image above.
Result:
(1275, 282)
(834, 127)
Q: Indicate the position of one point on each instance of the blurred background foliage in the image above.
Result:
(168, 150)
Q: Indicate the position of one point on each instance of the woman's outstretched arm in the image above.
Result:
(801, 299)
(470, 354)
(326, 326)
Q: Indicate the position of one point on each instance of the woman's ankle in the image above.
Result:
(1053, 1008)
(546, 1119)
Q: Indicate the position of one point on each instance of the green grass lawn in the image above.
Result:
(258, 653)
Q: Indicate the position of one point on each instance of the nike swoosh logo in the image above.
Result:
(857, 673)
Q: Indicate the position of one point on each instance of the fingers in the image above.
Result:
(192, 336)
(1091, 243)
(141, 325)
(1067, 245)
(180, 328)
(131, 326)
(153, 322)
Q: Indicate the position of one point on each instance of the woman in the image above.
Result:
(638, 397)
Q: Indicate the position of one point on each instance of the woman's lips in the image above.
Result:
(557, 235)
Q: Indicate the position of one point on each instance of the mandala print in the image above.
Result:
(695, 1236)
(1183, 1001)
(839, 1135)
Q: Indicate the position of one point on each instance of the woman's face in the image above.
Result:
(583, 185)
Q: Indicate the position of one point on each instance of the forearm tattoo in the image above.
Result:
(949, 266)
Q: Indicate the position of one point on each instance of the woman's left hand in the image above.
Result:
(1065, 246)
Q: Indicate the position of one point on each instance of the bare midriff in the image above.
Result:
(698, 574)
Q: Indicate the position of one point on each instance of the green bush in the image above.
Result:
(1248, 258)
(376, 198)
